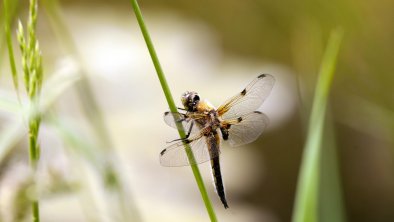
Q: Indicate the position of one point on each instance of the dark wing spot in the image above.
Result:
(243, 92)
(186, 141)
(162, 152)
(225, 132)
(262, 76)
(239, 119)
(258, 112)
(166, 113)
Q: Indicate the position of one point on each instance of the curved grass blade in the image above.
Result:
(306, 202)
(125, 208)
(8, 14)
(331, 204)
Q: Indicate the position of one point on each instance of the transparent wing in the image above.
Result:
(171, 119)
(175, 155)
(249, 99)
(247, 128)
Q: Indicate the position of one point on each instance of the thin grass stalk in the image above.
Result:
(33, 76)
(88, 101)
(171, 104)
(331, 203)
(10, 8)
(7, 18)
(93, 112)
(306, 202)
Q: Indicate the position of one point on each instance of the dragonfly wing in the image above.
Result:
(172, 118)
(175, 155)
(247, 128)
(249, 99)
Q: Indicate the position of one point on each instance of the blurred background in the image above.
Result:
(102, 134)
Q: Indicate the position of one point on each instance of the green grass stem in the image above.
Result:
(84, 89)
(171, 104)
(306, 201)
(7, 15)
(33, 77)
(7, 18)
(88, 102)
(331, 203)
(128, 209)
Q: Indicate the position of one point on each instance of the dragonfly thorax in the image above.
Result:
(211, 121)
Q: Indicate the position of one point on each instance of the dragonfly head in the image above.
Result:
(190, 100)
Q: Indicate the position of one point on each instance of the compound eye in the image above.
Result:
(196, 98)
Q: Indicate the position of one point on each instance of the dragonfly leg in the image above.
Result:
(190, 130)
(187, 135)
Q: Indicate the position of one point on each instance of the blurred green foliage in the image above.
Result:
(294, 33)
(269, 30)
(362, 98)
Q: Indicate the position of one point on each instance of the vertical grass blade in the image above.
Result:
(125, 206)
(306, 201)
(7, 18)
(33, 77)
(7, 14)
(171, 104)
(331, 206)
(85, 90)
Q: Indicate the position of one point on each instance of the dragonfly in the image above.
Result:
(236, 121)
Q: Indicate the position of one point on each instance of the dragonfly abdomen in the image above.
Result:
(214, 142)
(218, 180)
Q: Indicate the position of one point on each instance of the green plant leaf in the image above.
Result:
(306, 202)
